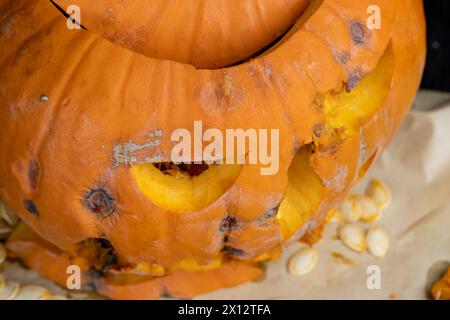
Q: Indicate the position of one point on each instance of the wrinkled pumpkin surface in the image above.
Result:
(82, 109)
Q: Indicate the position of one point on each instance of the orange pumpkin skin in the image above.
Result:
(101, 95)
(204, 33)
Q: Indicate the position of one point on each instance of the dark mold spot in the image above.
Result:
(353, 80)
(100, 202)
(357, 32)
(269, 214)
(31, 207)
(33, 174)
(232, 251)
(318, 129)
(228, 223)
(343, 57)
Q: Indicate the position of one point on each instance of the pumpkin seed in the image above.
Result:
(335, 216)
(31, 292)
(380, 193)
(7, 215)
(349, 209)
(378, 242)
(353, 236)
(3, 254)
(368, 209)
(10, 291)
(303, 262)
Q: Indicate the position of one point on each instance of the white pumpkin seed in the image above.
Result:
(336, 216)
(10, 291)
(380, 193)
(31, 292)
(7, 215)
(368, 209)
(349, 209)
(303, 261)
(353, 236)
(378, 242)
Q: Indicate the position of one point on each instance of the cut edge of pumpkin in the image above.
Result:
(343, 113)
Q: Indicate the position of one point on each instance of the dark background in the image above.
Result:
(437, 71)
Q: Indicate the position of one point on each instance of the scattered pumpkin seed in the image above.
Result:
(353, 236)
(335, 216)
(380, 193)
(369, 211)
(378, 242)
(7, 215)
(10, 291)
(303, 261)
(349, 209)
(31, 292)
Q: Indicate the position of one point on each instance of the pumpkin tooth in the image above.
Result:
(8, 215)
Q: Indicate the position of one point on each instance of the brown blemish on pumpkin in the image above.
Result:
(352, 81)
(272, 212)
(318, 129)
(31, 207)
(33, 174)
(227, 250)
(228, 224)
(357, 32)
(98, 201)
(343, 57)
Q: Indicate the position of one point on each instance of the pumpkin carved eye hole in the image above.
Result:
(100, 202)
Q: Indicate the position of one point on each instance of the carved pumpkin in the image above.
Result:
(82, 109)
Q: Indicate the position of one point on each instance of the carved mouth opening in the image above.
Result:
(185, 187)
